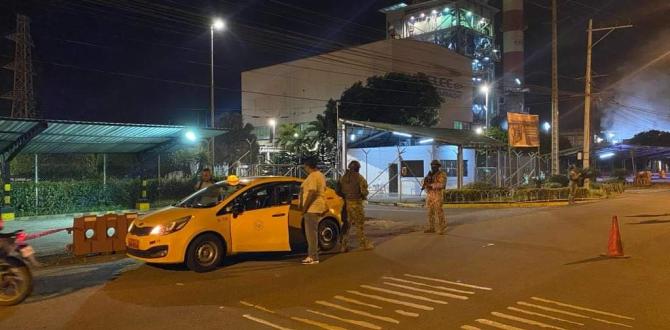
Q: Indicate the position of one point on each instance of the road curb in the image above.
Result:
(491, 204)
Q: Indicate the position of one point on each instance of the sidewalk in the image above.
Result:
(47, 245)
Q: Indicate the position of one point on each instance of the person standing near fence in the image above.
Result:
(313, 205)
(434, 184)
(574, 176)
(205, 179)
(354, 189)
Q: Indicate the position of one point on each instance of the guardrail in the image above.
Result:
(100, 234)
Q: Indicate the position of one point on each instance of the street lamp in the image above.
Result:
(218, 25)
(546, 127)
(485, 89)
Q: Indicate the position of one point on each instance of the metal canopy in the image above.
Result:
(463, 138)
(622, 150)
(61, 136)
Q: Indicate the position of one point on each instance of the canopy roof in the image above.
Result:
(36, 136)
(624, 150)
(464, 138)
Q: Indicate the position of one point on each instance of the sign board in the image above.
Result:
(523, 130)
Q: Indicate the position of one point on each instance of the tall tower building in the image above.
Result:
(22, 95)
(513, 56)
(463, 26)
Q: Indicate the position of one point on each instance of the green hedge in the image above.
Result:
(529, 194)
(91, 196)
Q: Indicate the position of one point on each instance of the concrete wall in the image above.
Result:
(375, 166)
(295, 92)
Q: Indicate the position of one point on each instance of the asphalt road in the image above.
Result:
(504, 269)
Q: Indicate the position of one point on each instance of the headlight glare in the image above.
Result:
(171, 227)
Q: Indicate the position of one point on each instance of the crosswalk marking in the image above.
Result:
(260, 308)
(392, 301)
(363, 324)
(522, 303)
(317, 324)
(404, 313)
(437, 293)
(497, 324)
(526, 321)
(427, 285)
(402, 294)
(357, 312)
(469, 327)
(264, 322)
(523, 311)
(356, 302)
(582, 308)
(449, 282)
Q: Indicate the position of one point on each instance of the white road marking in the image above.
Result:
(357, 302)
(404, 313)
(354, 322)
(317, 324)
(437, 293)
(469, 327)
(497, 324)
(526, 321)
(427, 285)
(264, 322)
(258, 307)
(523, 311)
(522, 303)
(582, 308)
(449, 282)
(357, 312)
(407, 295)
(392, 301)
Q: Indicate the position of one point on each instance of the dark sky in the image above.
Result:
(147, 61)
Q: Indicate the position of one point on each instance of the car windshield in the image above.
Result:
(210, 196)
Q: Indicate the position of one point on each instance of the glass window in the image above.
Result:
(451, 167)
(258, 198)
(283, 194)
(412, 168)
(209, 196)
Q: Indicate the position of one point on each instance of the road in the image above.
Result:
(495, 269)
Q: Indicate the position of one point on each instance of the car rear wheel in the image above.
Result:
(329, 234)
(204, 253)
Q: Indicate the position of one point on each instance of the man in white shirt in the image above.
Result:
(313, 205)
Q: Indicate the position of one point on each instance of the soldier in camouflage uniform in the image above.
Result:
(434, 184)
(354, 189)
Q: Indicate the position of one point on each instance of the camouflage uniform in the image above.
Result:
(434, 184)
(574, 177)
(354, 189)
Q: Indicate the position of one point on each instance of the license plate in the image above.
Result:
(133, 243)
(27, 252)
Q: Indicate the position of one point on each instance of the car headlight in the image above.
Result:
(171, 227)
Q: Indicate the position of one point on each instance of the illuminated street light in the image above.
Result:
(218, 24)
(402, 134)
(426, 141)
(190, 136)
(352, 137)
(296, 135)
(546, 126)
(479, 130)
(606, 155)
(273, 123)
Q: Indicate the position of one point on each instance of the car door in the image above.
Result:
(262, 223)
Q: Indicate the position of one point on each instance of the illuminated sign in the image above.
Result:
(523, 130)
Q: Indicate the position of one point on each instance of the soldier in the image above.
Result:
(574, 177)
(354, 189)
(434, 184)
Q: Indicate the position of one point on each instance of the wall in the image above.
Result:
(374, 167)
(297, 91)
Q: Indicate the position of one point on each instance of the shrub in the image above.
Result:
(481, 186)
(562, 180)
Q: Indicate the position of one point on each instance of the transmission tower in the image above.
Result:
(22, 96)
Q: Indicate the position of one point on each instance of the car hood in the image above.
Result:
(165, 216)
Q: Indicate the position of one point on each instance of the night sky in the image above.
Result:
(147, 61)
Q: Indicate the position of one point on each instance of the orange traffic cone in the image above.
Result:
(614, 246)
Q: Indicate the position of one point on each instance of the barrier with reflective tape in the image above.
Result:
(99, 234)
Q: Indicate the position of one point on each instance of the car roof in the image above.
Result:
(253, 180)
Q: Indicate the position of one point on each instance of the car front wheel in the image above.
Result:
(329, 233)
(204, 253)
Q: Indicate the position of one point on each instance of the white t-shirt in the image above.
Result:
(316, 182)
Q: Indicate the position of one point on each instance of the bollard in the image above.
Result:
(7, 211)
(143, 203)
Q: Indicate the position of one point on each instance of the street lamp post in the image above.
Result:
(217, 25)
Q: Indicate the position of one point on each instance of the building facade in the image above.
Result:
(296, 92)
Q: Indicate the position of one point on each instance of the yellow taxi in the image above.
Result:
(254, 214)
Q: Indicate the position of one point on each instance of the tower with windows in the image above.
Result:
(463, 26)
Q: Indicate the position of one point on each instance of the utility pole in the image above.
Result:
(22, 96)
(554, 91)
(587, 89)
